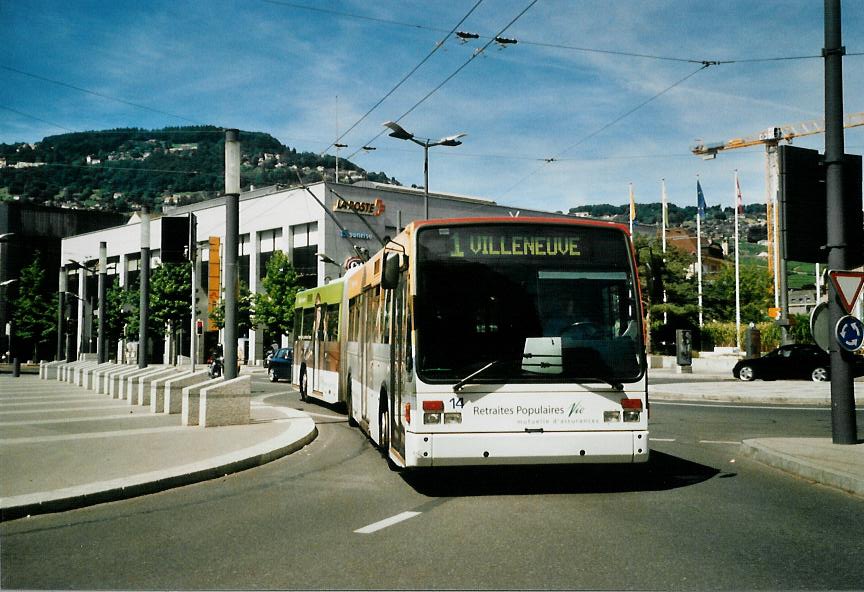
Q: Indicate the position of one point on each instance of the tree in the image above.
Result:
(274, 307)
(245, 310)
(121, 311)
(669, 273)
(757, 294)
(171, 298)
(34, 310)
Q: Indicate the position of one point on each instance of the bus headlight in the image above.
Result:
(610, 416)
(452, 418)
(432, 417)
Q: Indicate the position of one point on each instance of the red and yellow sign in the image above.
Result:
(214, 271)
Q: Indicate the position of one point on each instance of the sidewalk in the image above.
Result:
(63, 446)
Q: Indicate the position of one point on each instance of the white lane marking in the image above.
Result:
(662, 439)
(387, 522)
(91, 435)
(777, 407)
(719, 442)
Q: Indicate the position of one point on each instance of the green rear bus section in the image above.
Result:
(329, 296)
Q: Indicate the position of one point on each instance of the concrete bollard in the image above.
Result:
(174, 390)
(121, 387)
(100, 377)
(112, 380)
(49, 370)
(78, 373)
(227, 403)
(140, 385)
(89, 379)
(191, 401)
(157, 390)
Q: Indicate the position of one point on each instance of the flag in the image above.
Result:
(632, 205)
(739, 203)
(700, 199)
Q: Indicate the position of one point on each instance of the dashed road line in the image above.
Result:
(387, 522)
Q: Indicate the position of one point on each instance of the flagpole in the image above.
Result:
(699, 254)
(738, 202)
(664, 213)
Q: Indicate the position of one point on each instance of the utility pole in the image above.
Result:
(144, 302)
(100, 334)
(232, 235)
(843, 424)
(61, 313)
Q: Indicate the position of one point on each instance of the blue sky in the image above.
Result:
(305, 71)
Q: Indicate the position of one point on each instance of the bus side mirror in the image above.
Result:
(390, 271)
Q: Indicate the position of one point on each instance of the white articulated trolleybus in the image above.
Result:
(483, 341)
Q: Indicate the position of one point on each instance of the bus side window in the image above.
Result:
(332, 319)
(298, 317)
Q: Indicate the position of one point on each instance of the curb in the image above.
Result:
(746, 400)
(155, 481)
(762, 451)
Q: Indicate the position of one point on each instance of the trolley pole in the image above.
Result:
(843, 424)
(232, 232)
(144, 302)
(100, 333)
(61, 313)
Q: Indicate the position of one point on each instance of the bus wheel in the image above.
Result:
(304, 384)
(384, 428)
(349, 407)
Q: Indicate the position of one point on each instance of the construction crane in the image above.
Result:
(774, 135)
(771, 138)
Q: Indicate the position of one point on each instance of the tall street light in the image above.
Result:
(401, 134)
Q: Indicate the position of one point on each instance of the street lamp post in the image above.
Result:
(401, 134)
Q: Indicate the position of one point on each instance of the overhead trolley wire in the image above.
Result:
(604, 127)
(404, 78)
(96, 94)
(451, 76)
(540, 43)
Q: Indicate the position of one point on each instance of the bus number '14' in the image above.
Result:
(457, 403)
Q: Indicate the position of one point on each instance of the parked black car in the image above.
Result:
(280, 364)
(807, 362)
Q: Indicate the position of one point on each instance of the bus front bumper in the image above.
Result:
(440, 450)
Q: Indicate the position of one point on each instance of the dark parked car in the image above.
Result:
(280, 364)
(807, 362)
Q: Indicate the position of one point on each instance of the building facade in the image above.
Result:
(322, 229)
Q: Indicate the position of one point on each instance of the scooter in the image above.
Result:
(217, 362)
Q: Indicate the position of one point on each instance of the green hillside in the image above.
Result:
(117, 170)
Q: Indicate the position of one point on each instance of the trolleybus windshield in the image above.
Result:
(526, 303)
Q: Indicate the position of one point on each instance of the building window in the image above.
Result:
(267, 241)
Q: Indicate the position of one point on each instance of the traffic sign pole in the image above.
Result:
(844, 429)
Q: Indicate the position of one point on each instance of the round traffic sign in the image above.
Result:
(850, 333)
